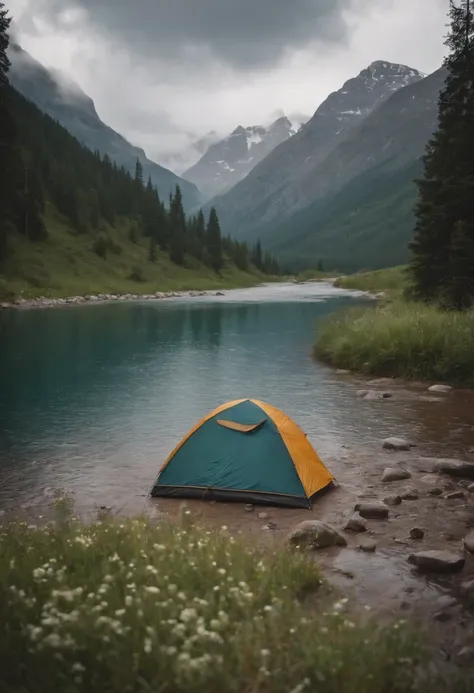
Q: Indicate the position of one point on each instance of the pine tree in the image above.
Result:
(214, 241)
(257, 256)
(177, 229)
(152, 254)
(139, 173)
(443, 261)
(5, 22)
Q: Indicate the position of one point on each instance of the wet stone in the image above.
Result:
(262, 516)
(394, 443)
(356, 523)
(443, 389)
(367, 545)
(467, 588)
(373, 509)
(416, 533)
(249, 508)
(442, 616)
(362, 393)
(455, 467)
(410, 494)
(454, 495)
(315, 534)
(469, 542)
(437, 561)
(269, 525)
(437, 491)
(392, 474)
(392, 500)
(445, 601)
(470, 488)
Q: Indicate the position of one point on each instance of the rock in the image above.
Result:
(219, 293)
(356, 523)
(416, 533)
(249, 508)
(396, 444)
(392, 500)
(437, 561)
(391, 474)
(465, 483)
(467, 588)
(367, 545)
(455, 467)
(362, 393)
(342, 371)
(410, 494)
(372, 509)
(262, 516)
(315, 534)
(445, 601)
(470, 488)
(269, 525)
(444, 389)
(442, 616)
(455, 495)
(465, 657)
(372, 395)
(469, 541)
(437, 491)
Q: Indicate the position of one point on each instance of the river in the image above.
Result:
(94, 397)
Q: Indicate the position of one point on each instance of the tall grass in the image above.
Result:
(129, 606)
(392, 280)
(401, 339)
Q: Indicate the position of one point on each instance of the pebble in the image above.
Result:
(262, 516)
(437, 491)
(437, 561)
(374, 509)
(249, 508)
(391, 474)
(396, 444)
(467, 588)
(410, 494)
(362, 393)
(416, 533)
(342, 371)
(442, 616)
(367, 545)
(392, 500)
(270, 525)
(356, 523)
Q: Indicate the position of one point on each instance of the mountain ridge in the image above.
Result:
(67, 103)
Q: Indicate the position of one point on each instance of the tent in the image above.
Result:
(246, 451)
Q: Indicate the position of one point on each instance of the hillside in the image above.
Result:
(80, 224)
(282, 183)
(228, 161)
(73, 109)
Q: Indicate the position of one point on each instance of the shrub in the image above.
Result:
(136, 275)
(101, 245)
(134, 606)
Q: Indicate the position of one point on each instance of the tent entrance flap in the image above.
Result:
(243, 428)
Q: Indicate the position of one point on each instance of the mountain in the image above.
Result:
(284, 182)
(65, 101)
(225, 163)
(362, 213)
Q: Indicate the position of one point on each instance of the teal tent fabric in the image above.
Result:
(218, 462)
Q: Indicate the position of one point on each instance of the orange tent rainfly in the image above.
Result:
(246, 451)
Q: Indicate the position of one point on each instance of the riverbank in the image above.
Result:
(398, 337)
(132, 605)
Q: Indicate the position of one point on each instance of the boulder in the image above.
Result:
(437, 561)
(367, 545)
(315, 534)
(391, 474)
(469, 541)
(416, 533)
(372, 509)
(362, 393)
(443, 389)
(410, 494)
(394, 443)
(454, 467)
(392, 500)
(356, 523)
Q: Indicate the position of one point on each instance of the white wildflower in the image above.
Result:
(188, 615)
(151, 589)
(148, 645)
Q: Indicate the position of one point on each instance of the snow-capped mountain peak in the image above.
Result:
(228, 161)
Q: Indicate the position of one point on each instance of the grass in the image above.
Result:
(392, 281)
(65, 264)
(125, 606)
(401, 339)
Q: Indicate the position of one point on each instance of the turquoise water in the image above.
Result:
(93, 398)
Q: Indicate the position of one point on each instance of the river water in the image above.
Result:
(94, 397)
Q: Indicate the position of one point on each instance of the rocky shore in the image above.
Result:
(44, 302)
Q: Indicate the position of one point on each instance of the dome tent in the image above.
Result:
(246, 451)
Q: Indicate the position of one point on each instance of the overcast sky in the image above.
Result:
(164, 72)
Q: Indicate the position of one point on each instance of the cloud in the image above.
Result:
(165, 72)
